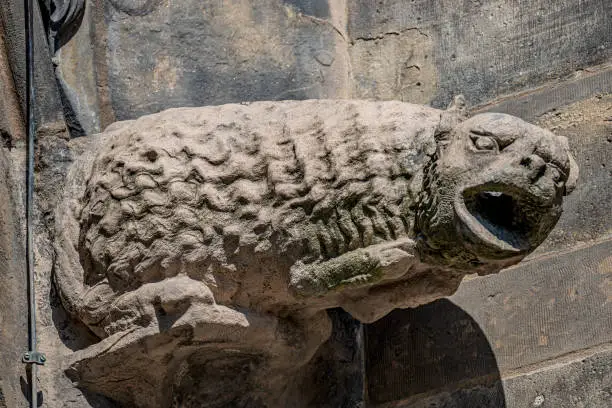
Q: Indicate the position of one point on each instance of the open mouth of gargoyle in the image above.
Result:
(500, 218)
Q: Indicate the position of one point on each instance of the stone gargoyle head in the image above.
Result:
(217, 237)
(493, 191)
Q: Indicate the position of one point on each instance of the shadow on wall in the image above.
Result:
(433, 356)
(334, 377)
(26, 390)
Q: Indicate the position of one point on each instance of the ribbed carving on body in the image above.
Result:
(168, 197)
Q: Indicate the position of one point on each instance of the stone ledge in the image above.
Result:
(530, 104)
(583, 382)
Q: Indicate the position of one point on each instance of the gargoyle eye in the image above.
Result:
(486, 143)
(557, 175)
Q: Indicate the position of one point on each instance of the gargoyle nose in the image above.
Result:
(535, 164)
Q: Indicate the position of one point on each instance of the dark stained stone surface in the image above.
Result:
(545, 100)
(197, 53)
(486, 49)
(2, 400)
(334, 377)
(414, 351)
(48, 105)
(140, 58)
(316, 8)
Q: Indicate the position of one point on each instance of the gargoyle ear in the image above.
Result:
(458, 104)
(456, 113)
(572, 179)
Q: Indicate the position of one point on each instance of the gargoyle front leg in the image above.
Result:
(358, 268)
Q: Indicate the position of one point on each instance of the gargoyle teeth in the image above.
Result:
(492, 193)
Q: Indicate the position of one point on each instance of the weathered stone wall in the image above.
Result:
(143, 59)
(13, 300)
(48, 99)
(482, 49)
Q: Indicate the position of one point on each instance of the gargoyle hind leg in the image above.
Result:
(162, 333)
(358, 268)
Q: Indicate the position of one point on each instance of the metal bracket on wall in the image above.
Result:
(33, 357)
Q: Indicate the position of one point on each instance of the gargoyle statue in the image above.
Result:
(204, 245)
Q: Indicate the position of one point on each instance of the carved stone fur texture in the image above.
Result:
(206, 216)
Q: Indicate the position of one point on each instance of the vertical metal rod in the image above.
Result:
(31, 130)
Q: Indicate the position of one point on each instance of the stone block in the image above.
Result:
(577, 382)
(545, 307)
(486, 49)
(585, 382)
(148, 57)
(587, 214)
(492, 327)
